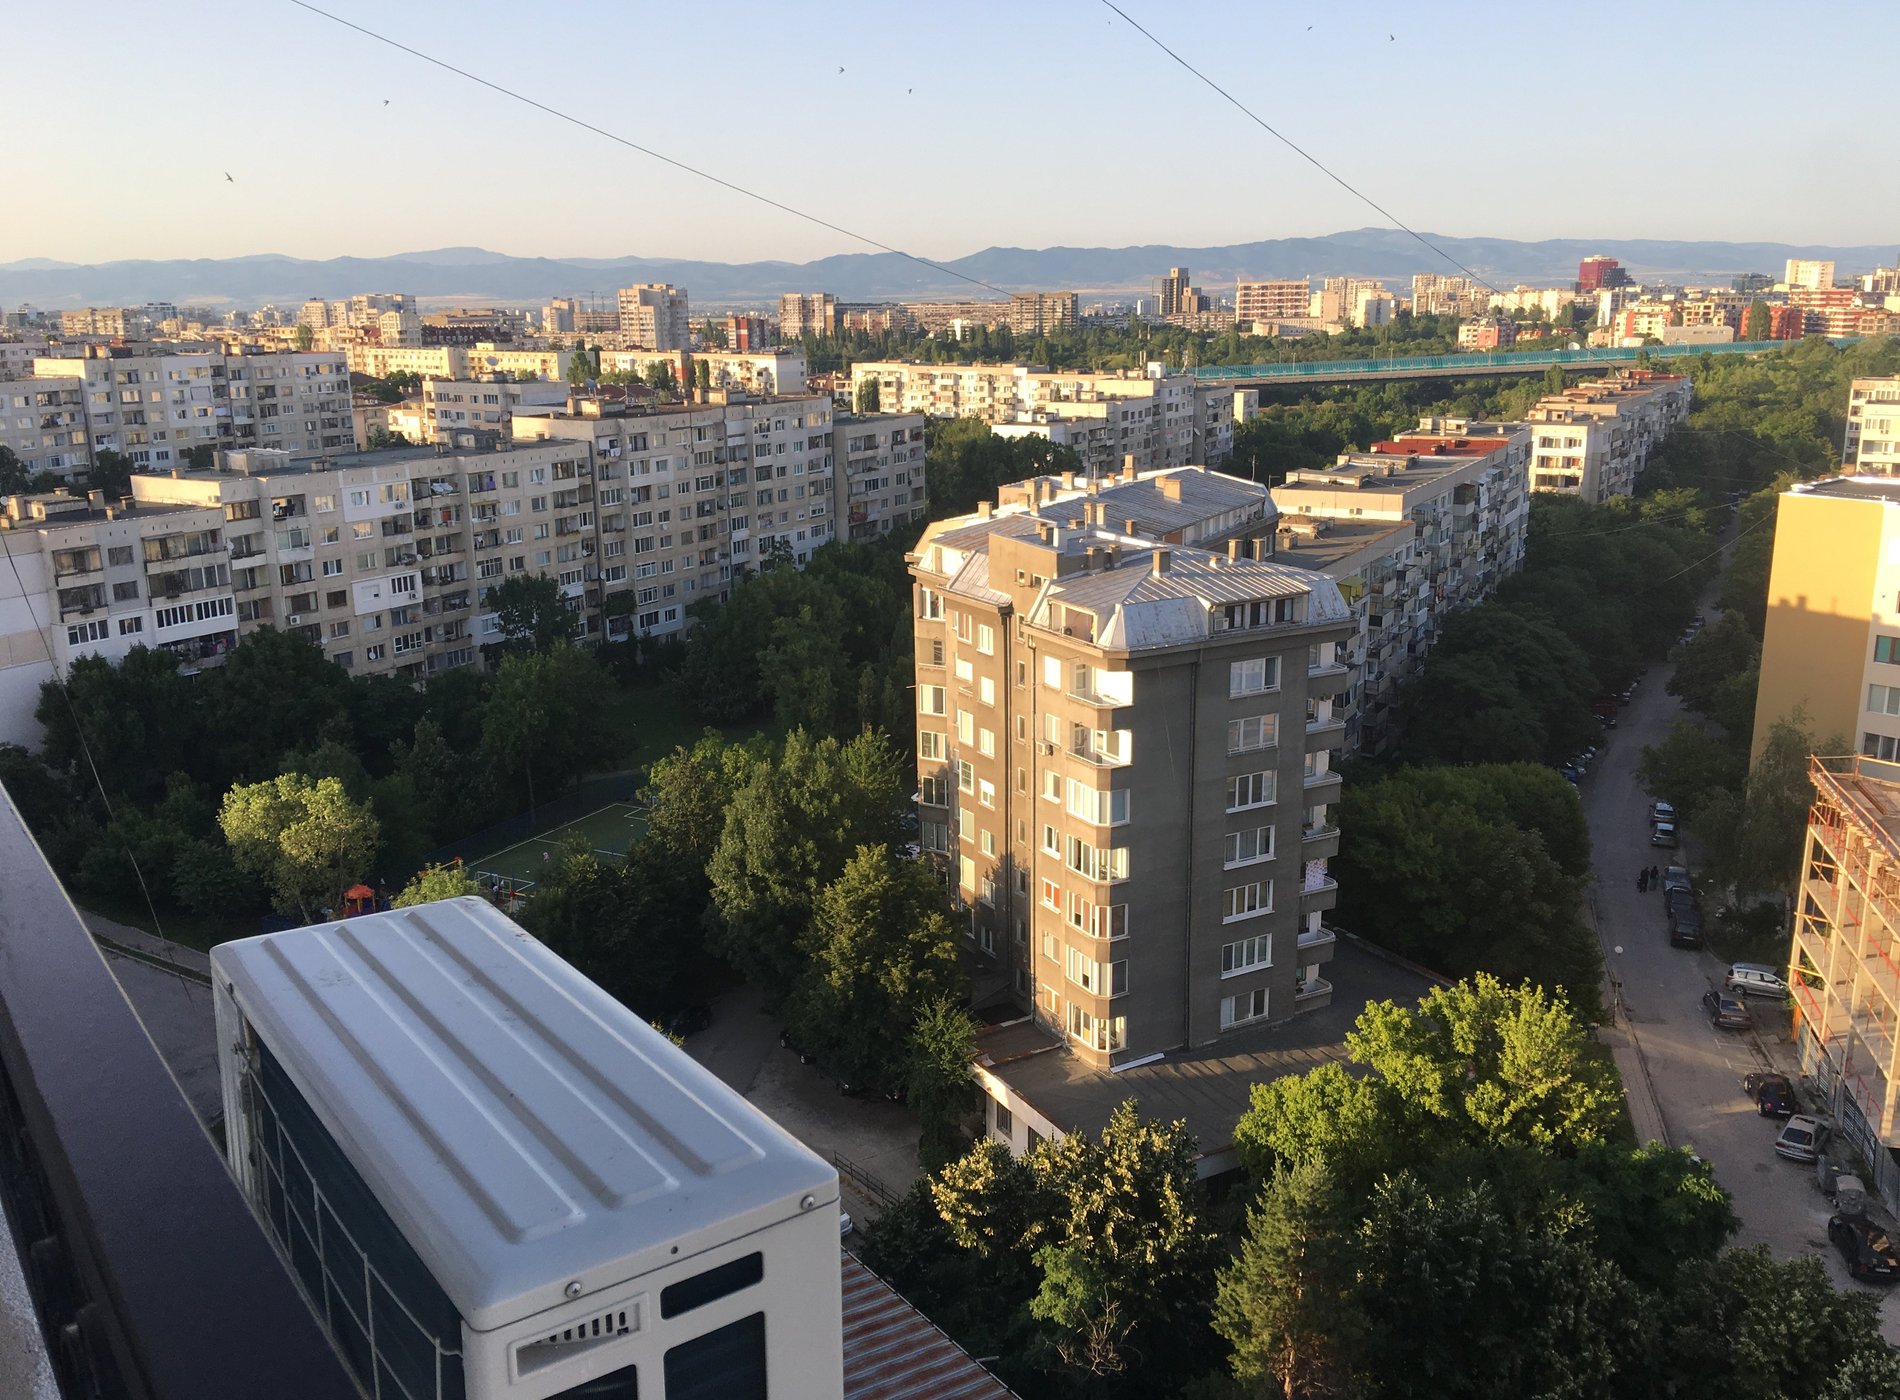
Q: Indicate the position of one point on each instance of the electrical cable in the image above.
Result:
(648, 150)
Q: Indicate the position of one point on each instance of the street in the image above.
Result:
(1695, 1070)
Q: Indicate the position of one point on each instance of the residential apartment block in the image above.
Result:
(750, 371)
(1123, 758)
(1831, 645)
(1439, 295)
(654, 315)
(1042, 313)
(1593, 439)
(808, 313)
(1411, 530)
(1808, 272)
(479, 412)
(1160, 419)
(1487, 333)
(88, 577)
(1871, 445)
(1845, 956)
(878, 462)
(1285, 300)
(154, 408)
(457, 361)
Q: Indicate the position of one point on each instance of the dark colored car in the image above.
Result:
(1685, 928)
(1773, 1094)
(1726, 1012)
(1870, 1255)
(1664, 834)
(689, 1020)
(1675, 877)
(1674, 901)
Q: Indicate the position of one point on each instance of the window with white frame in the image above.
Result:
(1252, 732)
(1247, 846)
(1253, 677)
(1250, 790)
(930, 744)
(1246, 955)
(930, 699)
(1243, 1007)
(1248, 901)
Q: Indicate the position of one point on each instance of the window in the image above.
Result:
(332, 567)
(930, 699)
(929, 744)
(1250, 790)
(1253, 677)
(1882, 746)
(1886, 649)
(1051, 894)
(125, 592)
(1249, 846)
(1051, 786)
(986, 742)
(986, 690)
(1082, 970)
(1248, 901)
(727, 1363)
(986, 639)
(81, 633)
(714, 1284)
(1246, 955)
(1098, 920)
(128, 626)
(1101, 1032)
(966, 777)
(1051, 840)
(1253, 732)
(1884, 699)
(966, 727)
(1246, 1006)
(1103, 808)
(1005, 1120)
(119, 555)
(1098, 862)
(1052, 672)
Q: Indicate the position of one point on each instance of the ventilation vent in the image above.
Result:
(590, 1334)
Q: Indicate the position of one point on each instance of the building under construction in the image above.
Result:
(1846, 956)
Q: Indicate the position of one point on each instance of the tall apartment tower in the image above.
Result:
(1123, 757)
(1871, 444)
(1172, 292)
(654, 314)
(1812, 273)
(807, 313)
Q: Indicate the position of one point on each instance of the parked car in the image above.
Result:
(1685, 927)
(1664, 834)
(689, 1020)
(1676, 877)
(1756, 979)
(1773, 1093)
(1725, 1011)
(844, 1224)
(1865, 1246)
(1607, 721)
(1801, 1138)
(1662, 811)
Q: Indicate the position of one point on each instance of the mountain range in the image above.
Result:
(477, 276)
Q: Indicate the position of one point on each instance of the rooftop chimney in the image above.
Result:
(96, 500)
(1128, 467)
(983, 509)
(1163, 561)
(1233, 551)
(1128, 525)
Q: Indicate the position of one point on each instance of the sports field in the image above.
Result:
(608, 831)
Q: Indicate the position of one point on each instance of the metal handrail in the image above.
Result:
(149, 1275)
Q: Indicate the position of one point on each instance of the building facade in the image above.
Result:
(807, 313)
(754, 372)
(457, 361)
(1411, 530)
(1808, 272)
(1042, 313)
(1123, 762)
(88, 577)
(1593, 439)
(654, 315)
(1284, 300)
(1871, 443)
(1487, 333)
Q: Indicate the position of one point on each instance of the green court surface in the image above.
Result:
(608, 831)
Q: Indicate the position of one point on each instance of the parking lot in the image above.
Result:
(1695, 1070)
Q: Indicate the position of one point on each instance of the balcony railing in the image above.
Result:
(149, 1276)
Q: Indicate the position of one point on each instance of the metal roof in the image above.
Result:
(1136, 607)
(894, 1352)
(521, 1127)
(1203, 495)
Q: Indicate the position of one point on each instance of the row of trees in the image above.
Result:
(1453, 1212)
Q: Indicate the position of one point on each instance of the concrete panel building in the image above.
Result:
(1871, 444)
(1283, 300)
(1123, 762)
(1593, 439)
(654, 314)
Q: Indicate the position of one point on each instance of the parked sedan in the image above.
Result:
(1725, 1011)
(1675, 877)
(1773, 1094)
(1664, 834)
(1662, 811)
(1801, 1138)
(1685, 928)
(1869, 1253)
(1677, 900)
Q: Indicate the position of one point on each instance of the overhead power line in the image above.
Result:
(648, 151)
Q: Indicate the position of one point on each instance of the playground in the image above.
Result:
(608, 831)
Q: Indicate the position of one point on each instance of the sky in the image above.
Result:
(953, 127)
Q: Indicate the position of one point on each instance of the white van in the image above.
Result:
(1756, 979)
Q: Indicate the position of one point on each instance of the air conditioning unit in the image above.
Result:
(529, 1190)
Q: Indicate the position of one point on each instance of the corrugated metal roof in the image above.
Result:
(1204, 494)
(1135, 607)
(894, 1352)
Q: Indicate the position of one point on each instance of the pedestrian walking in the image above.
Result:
(1642, 882)
(1655, 876)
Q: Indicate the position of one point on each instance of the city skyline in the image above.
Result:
(1220, 178)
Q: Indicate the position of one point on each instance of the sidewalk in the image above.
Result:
(1639, 1093)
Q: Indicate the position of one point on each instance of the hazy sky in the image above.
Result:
(953, 127)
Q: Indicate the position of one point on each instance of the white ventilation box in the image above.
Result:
(494, 1182)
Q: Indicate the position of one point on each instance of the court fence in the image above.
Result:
(584, 798)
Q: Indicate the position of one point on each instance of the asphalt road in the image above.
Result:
(1694, 1069)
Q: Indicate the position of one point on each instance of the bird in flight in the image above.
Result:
(385, 102)
(227, 176)
(1393, 37)
(841, 68)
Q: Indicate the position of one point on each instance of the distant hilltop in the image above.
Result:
(475, 275)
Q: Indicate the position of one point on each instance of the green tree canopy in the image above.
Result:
(531, 611)
(542, 719)
(305, 840)
(435, 882)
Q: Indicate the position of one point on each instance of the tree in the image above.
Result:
(881, 948)
(866, 398)
(1285, 1302)
(435, 882)
(937, 1083)
(789, 832)
(305, 840)
(541, 720)
(303, 337)
(687, 792)
(627, 924)
(1714, 657)
(1866, 1375)
(661, 378)
(809, 675)
(1689, 765)
(702, 374)
(134, 723)
(1760, 322)
(111, 473)
(13, 475)
(290, 697)
(531, 611)
(1775, 804)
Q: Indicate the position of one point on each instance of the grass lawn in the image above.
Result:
(649, 721)
(1623, 1132)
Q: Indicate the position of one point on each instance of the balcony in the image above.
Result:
(1335, 679)
(1321, 787)
(1311, 993)
(1319, 842)
(1319, 895)
(149, 1276)
(1316, 944)
(1325, 734)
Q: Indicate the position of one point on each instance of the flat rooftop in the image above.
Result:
(1208, 1086)
(1869, 788)
(1341, 539)
(1851, 488)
